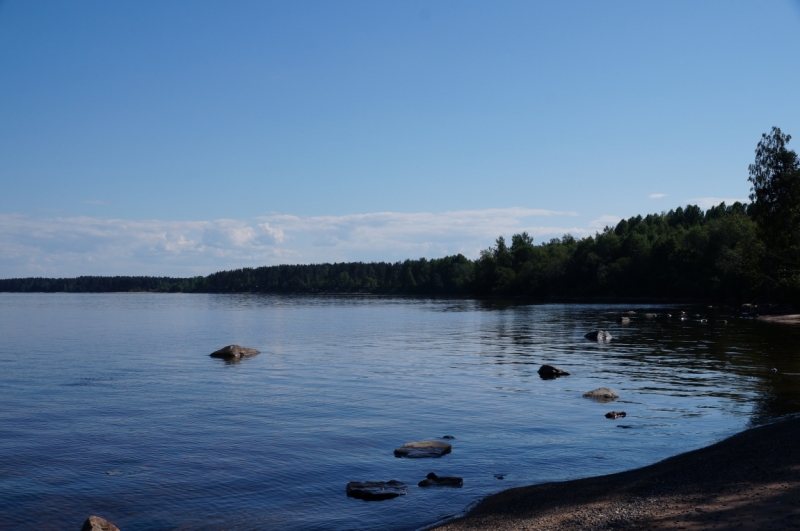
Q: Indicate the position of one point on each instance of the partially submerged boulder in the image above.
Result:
(95, 523)
(624, 320)
(423, 449)
(601, 394)
(376, 490)
(615, 414)
(234, 352)
(598, 335)
(548, 372)
(432, 480)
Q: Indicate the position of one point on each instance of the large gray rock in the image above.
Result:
(95, 523)
(598, 335)
(376, 490)
(548, 372)
(601, 394)
(234, 352)
(423, 449)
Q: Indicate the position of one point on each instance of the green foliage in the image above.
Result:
(775, 178)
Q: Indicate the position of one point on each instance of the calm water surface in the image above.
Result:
(111, 405)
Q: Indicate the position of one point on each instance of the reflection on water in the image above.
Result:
(112, 405)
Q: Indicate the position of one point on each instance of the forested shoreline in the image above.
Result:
(685, 253)
(737, 253)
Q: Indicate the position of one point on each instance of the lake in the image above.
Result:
(112, 406)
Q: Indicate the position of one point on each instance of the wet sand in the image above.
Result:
(747, 482)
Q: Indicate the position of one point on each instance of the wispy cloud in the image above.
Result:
(656, 196)
(603, 222)
(68, 246)
(707, 202)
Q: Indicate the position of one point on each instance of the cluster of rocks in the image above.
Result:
(386, 490)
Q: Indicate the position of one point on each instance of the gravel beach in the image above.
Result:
(746, 482)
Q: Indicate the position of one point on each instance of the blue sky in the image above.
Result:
(181, 138)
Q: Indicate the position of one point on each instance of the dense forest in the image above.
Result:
(739, 252)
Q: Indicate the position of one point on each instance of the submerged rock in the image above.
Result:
(234, 352)
(448, 437)
(95, 523)
(376, 490)
(444, 481)
(601, 394)
(615, 414)
(423, 449)
(598, 335)
(548, 372)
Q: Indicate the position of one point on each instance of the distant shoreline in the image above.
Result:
(749, 481)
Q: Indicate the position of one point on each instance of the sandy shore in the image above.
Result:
(747, 482)
(785, 319)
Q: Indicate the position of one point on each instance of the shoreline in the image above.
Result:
(748, 481)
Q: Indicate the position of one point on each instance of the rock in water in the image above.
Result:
(234, 352)
(598, 335)
(615, 414)
(624, 320)
(444, 481)
(376, 490)
(423, 449)
(601, 394)
(95, 523)
(548, 372)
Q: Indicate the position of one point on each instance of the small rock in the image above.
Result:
(234, 352)
(624, 320)
(602, 394)
(548, 372)
(423, 449)
(499, 476)
(598, 335)
(444, 481)
(448, 437)
(95, 523)
(650, 315)
(376, 490)
(615, 414)
(774, 370)
(630, 312)
(704, 321)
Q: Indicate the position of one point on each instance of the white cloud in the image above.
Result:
(604, 221)
(656, 196)
(84, 245)
(707, 202)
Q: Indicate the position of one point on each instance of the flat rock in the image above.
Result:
(95, 523)
(432, 480)
(602, 394)
(548, 372)
(376, 490)
(423, 449)
(598, 335)
(615, 414)
(234, 352)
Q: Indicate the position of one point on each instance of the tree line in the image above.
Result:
(739, 252)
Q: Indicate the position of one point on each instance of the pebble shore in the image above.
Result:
(750, 481)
